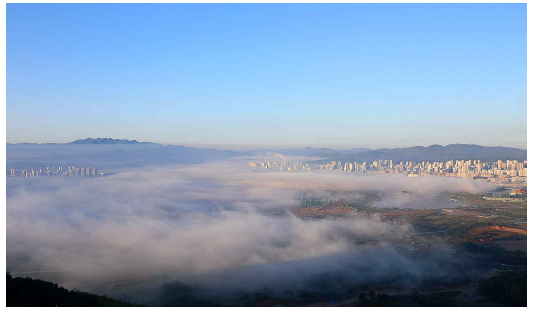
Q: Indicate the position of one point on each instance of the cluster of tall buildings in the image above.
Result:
(501, 172)
(283, 165)
(54, 171)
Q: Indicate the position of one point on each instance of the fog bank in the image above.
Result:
(199, 221)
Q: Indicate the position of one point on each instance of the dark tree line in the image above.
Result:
(29, 292)
(507, 288)
(372, 299)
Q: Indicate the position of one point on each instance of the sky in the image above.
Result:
(338, 76)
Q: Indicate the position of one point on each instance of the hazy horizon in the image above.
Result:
(239, 147)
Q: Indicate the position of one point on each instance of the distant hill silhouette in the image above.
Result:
(106, 141)
(436, 153)
(106, 153)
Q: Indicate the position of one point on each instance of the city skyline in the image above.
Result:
(338, 76)
(510, 173)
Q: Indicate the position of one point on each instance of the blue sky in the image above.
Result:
(360, 75)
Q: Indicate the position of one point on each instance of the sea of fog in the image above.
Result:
(192, 222)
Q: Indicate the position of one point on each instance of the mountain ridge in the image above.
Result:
(277, 150)
(115, 153)
(107, 141)
(438, 153)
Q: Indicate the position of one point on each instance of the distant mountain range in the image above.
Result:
(90, 141)
(436, 153)
(108, 153)
(106, 141)
(416, 153)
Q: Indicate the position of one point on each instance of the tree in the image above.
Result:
(415, 293)
(371, 295)
(362, 299)
(508, 288)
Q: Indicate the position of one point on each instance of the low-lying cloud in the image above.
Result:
(193, 222)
